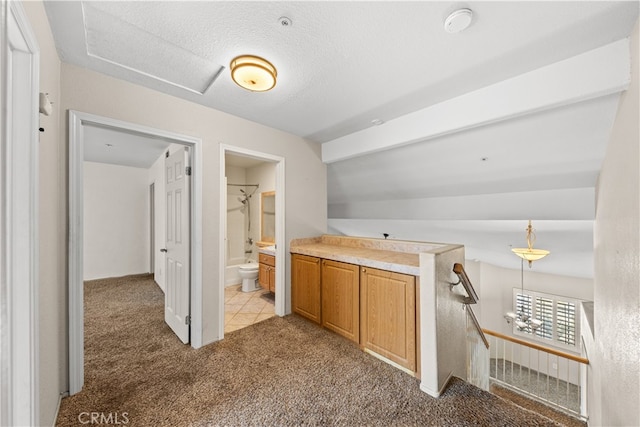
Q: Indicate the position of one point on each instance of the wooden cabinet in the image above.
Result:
(267, 272)
(340, 298)
(305, 286)
(388, 315)
(374, 308)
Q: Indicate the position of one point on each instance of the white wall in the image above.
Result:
(494, 286)
(236, 218)
(52, 293)
(443, 331)
(305, 186)
(116, 220)
(615, 370)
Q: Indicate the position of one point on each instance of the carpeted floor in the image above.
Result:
(537, 407)
(280, 372)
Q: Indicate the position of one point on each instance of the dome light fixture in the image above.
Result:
(529, 253)
(253, 73)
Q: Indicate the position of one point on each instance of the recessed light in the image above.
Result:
(458, 21)
(377, 122)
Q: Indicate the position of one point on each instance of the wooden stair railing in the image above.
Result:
(537, 347)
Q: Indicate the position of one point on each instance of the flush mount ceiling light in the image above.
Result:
(528, 253)
(253, 73)
(458, 20)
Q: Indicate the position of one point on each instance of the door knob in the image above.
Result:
(163, 250)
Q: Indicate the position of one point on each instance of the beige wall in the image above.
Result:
(306, 200)
(615, 369)
(74, 88)
(52, 292)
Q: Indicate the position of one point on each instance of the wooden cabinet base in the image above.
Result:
(340, 299)
(374, 308)
(267, 272)
(388, 315)
(305, 287)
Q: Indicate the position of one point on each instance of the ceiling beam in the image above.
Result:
(596, 73)
(560, 204)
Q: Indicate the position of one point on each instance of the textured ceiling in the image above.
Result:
(340, 64)
(343, 64)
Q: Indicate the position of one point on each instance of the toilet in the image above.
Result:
(249, 274)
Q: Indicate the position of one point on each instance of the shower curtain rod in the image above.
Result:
(245, 185)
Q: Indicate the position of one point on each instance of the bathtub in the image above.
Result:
(231, 274)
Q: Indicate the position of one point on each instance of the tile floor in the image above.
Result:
(242, 309)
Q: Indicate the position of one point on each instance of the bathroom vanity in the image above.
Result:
(362, 289)
(267, 268)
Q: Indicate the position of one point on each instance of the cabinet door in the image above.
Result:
(305, 286)
(272, 279)
(388, 308)
(340, 299)
(263, 276)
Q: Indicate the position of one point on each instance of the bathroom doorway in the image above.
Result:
(246, 177)
(246, 301)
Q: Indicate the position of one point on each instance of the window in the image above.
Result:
(559, 316)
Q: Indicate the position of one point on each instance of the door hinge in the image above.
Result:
(187, 320)
(188, 171)
(166, 154)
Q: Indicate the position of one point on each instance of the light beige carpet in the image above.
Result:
(280, 372)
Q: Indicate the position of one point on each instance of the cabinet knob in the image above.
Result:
(364, 270)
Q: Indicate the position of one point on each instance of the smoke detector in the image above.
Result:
(285, 21)
(458, 21)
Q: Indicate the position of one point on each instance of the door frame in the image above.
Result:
(19, 193)
(152, 227)
(77, 120)
(281, 288)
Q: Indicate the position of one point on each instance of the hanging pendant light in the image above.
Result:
(253, 73)
(529, 253)
(522, 320)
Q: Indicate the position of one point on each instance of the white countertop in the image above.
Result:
(268, 250)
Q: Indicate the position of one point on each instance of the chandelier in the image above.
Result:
(522, 320)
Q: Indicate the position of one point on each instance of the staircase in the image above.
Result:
(546, 381)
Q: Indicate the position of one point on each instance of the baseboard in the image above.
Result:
(390, 362)
(60, 397)
(436, 393)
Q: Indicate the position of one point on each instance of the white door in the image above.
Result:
(176, 295)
